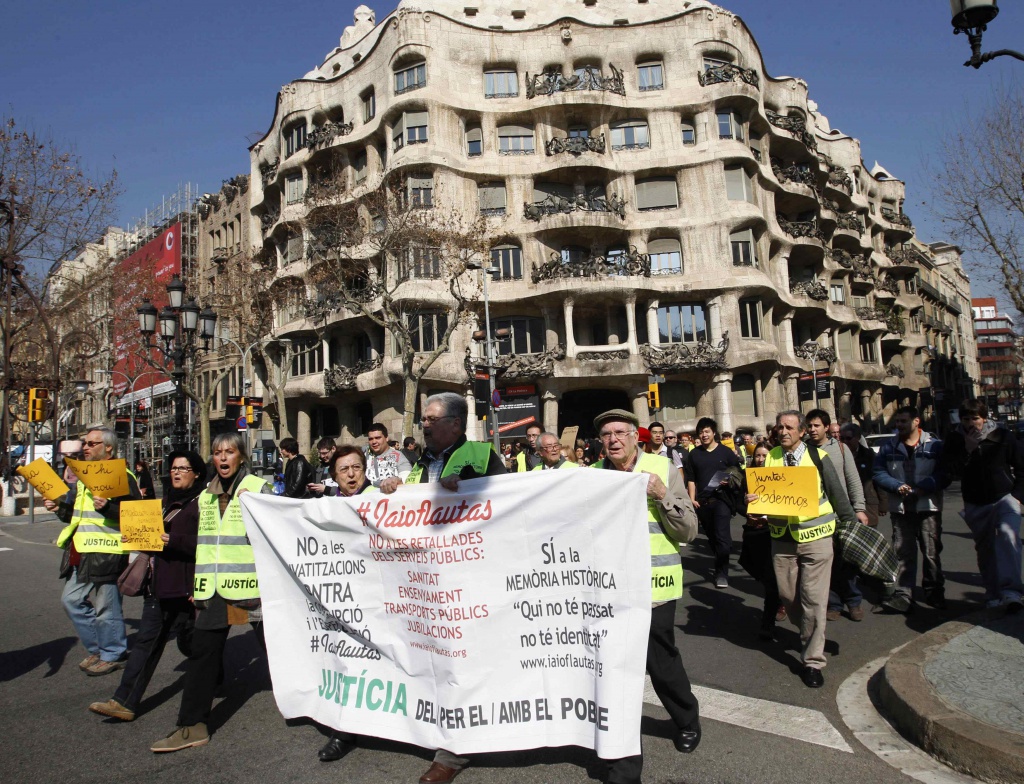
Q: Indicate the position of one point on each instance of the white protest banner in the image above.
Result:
(512, 614)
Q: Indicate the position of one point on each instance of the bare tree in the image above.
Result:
(391, 257)
(49, 210)
(981, 191)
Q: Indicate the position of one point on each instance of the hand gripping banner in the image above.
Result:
(512, 614)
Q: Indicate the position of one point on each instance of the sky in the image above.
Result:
(169, 94)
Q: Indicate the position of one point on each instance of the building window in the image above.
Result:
(420, 191)
(411, 78)
(739, 186)
(289, 307)
(293, 188)
(837, 292)
(844, 345)
(630, 135)
(295, 139)
(743, 248)
(666, 257)
(491, 196)
(426, 330)
(423, 263)
(579, 131)
(501, 84)
(574, 254)
(689, 133)
(291, 249)
(714, 62)
(359, 166)
(682, 322)
(369, 105)
(411, 129)
(867, 349)
(750, 318)
(755, 147)
(526, 335)
(474, 141)
(860, 300)
(657, 193)
(730, 126)
(509, 261)
(307, 356)
(515, 140)
(650, 76)
(911, 285)
(744, 395)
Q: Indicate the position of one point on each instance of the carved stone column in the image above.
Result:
(474, 431)
(792, 391)
(570, 337)
(611, 326)
(715, 320)
(631, 339)
(867, 416)
(653, 333)
(787, 335)
(783, 268)
(549, 402)
(302, 427)
(639, 397)
(723, 401)
(550, 327)
(845, 409)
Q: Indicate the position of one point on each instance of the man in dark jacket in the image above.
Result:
(90, 596)
(707, 485)
(990, 464)
(298, 473)
(323, 483)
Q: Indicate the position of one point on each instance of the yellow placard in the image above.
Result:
(105, 478)
(44, 479)
(142, 523)
(783, 491)
(568, 439)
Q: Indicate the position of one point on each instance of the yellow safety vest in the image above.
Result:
(471, 453)
(666, 566)
(811, 527)
(566, 464)
(224, 559)
(92, 532)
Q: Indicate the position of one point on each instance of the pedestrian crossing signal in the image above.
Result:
(37, 399)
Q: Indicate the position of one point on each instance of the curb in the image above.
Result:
(959, 740)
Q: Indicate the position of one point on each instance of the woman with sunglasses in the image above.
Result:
(168, 591)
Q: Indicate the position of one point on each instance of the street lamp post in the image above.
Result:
(971, 17)
(179, 322)
(132, 381)
(489, 342)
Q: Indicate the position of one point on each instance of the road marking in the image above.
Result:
(5, 550)
(871, 729)
(775, 718)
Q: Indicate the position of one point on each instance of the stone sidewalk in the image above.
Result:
(958, 693)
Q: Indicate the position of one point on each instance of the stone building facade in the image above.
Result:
(660, 207)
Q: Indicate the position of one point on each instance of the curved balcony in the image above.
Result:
(550, 82)
(340, 378)
(324, 135)
(813, 289)
(575, 145)
(677, 357)
(802, 229)
(796, 125)
(727, 72)
(581, 202)
(557, 267)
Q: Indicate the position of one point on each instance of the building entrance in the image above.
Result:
(582, 405)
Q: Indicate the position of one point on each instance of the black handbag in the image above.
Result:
(66, 569)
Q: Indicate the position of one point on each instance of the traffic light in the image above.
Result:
(249, 416)
(37, 399)
(653, 397)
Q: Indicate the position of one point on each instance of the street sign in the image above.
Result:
(242, 423)
(496, 398)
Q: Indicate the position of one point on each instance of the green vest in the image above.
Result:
(92, 532)
(471, 453)
(224, 559)
(811, 527)
(566, 464)
(666, 566)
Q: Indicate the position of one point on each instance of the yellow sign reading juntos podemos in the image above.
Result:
(104, 478)
(783, 491)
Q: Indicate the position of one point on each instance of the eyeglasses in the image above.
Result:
(92, 443)
(181, 470)
(351, 469)
(617, 435)
(434, 420)
(670, 438)
(552, 448)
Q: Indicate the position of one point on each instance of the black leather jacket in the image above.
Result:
(297, 474)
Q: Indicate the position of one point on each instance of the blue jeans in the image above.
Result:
(98, 621)
(996, 531)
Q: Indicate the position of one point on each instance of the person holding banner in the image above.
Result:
(802, 544)
(90, 595)
(225, 590)
(448, 457)
(671, 521)
(168, 603)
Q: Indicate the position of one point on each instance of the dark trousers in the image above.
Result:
(843, 587)
(716, 522)
(911, 530)
(159, 617)
(204, 672)
(668, 676)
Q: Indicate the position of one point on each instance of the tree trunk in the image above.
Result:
(411, 387)
(204, 427)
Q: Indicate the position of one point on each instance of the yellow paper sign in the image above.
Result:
(783, 491)
(142, 523)
(105, 478)
(568, 439)
(44, 479)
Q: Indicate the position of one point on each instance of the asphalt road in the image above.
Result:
(47, 733)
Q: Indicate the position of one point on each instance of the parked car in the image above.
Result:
(875, 440)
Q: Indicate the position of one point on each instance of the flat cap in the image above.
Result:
(616, 414)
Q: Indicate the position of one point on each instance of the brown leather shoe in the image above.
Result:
(439, 774)
(833, 615)
(857, 613)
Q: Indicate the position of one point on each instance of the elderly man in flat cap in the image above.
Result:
(671, 521)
